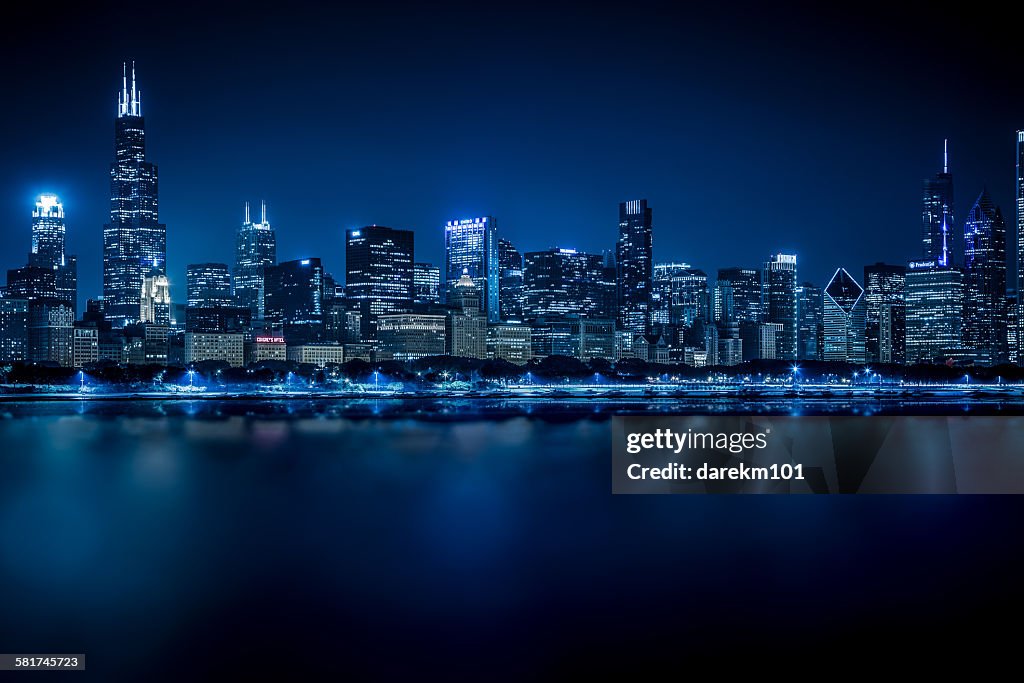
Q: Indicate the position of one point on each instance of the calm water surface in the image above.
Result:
(456, 540)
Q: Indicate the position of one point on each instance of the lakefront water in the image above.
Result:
(451, 539)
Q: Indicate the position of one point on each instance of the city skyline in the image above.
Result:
(625, 303)
(208, 131)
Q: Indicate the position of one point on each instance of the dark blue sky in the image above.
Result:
(749, 131)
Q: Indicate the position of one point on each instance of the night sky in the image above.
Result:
(750, 131)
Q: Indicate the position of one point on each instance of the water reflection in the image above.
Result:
(565, 409)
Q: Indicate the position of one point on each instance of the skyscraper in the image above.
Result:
(13, 330)
(48, 231)
(510, 280)
(471, 245)
(843, 318)
(937, 215)
(662, 312)
(746, 292)
(209, 285)
(810, 335)
(634, 261)
(48, 253)
(467, 327)
(255, 250)
(426, 284)
(934, 315)
(155, 304)
(778, 301)
(985, 314)
(293, 294)
(134, 241)
(1020, 246)
(378, 274)
(884, 285)
(561, 282)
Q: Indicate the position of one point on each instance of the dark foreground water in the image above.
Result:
(447, 540)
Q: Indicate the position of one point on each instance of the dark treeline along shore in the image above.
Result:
(443, 369)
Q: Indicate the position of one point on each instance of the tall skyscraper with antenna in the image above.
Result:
(937, 215)
(1020, 246)
(255, 250)
(134, 241)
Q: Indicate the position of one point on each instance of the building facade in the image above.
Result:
(255, 251)
(843, 313)
(208, 285)
(471, 245)
(13, 330)
(884, 286)
(509, 341)
(985, 305)
(810, 335)
(134, 241)
(155, 302)
(319, 354)
(937, 222)
(378, 274)
(293, 294)
(934, 298)
(510, 281)
(426, 281)
(215, 346)
(48, 250)
(778, 302)
(634, 261)
(408, 336)
(566, 282)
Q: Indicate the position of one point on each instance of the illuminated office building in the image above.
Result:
(510, 281)
(562, 282)
(134, 241)
(378, 274)
(209, 285)
(13, 330)
(408, 336)
(471, 244)
(934, 299)
(51, 332)
(688, 300)
(937, 242)
(634, 262)
(293, 294)
(155, 304)
(255, 251)
(884, 285)
(509, 341)
(1020, 247)
(843, 311)
(778, 302)
(985, 305)
(745, 284)
(810, 335)
(467, 327)
(661, 292)
(426, 284)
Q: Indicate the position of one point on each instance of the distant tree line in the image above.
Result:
(436, 369)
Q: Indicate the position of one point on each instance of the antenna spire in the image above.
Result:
(263, 219)
(945, 155)
(129, 102)
(247, 212)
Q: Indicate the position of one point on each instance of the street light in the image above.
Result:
(81, 375)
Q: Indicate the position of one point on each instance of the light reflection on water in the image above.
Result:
(442, 529)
